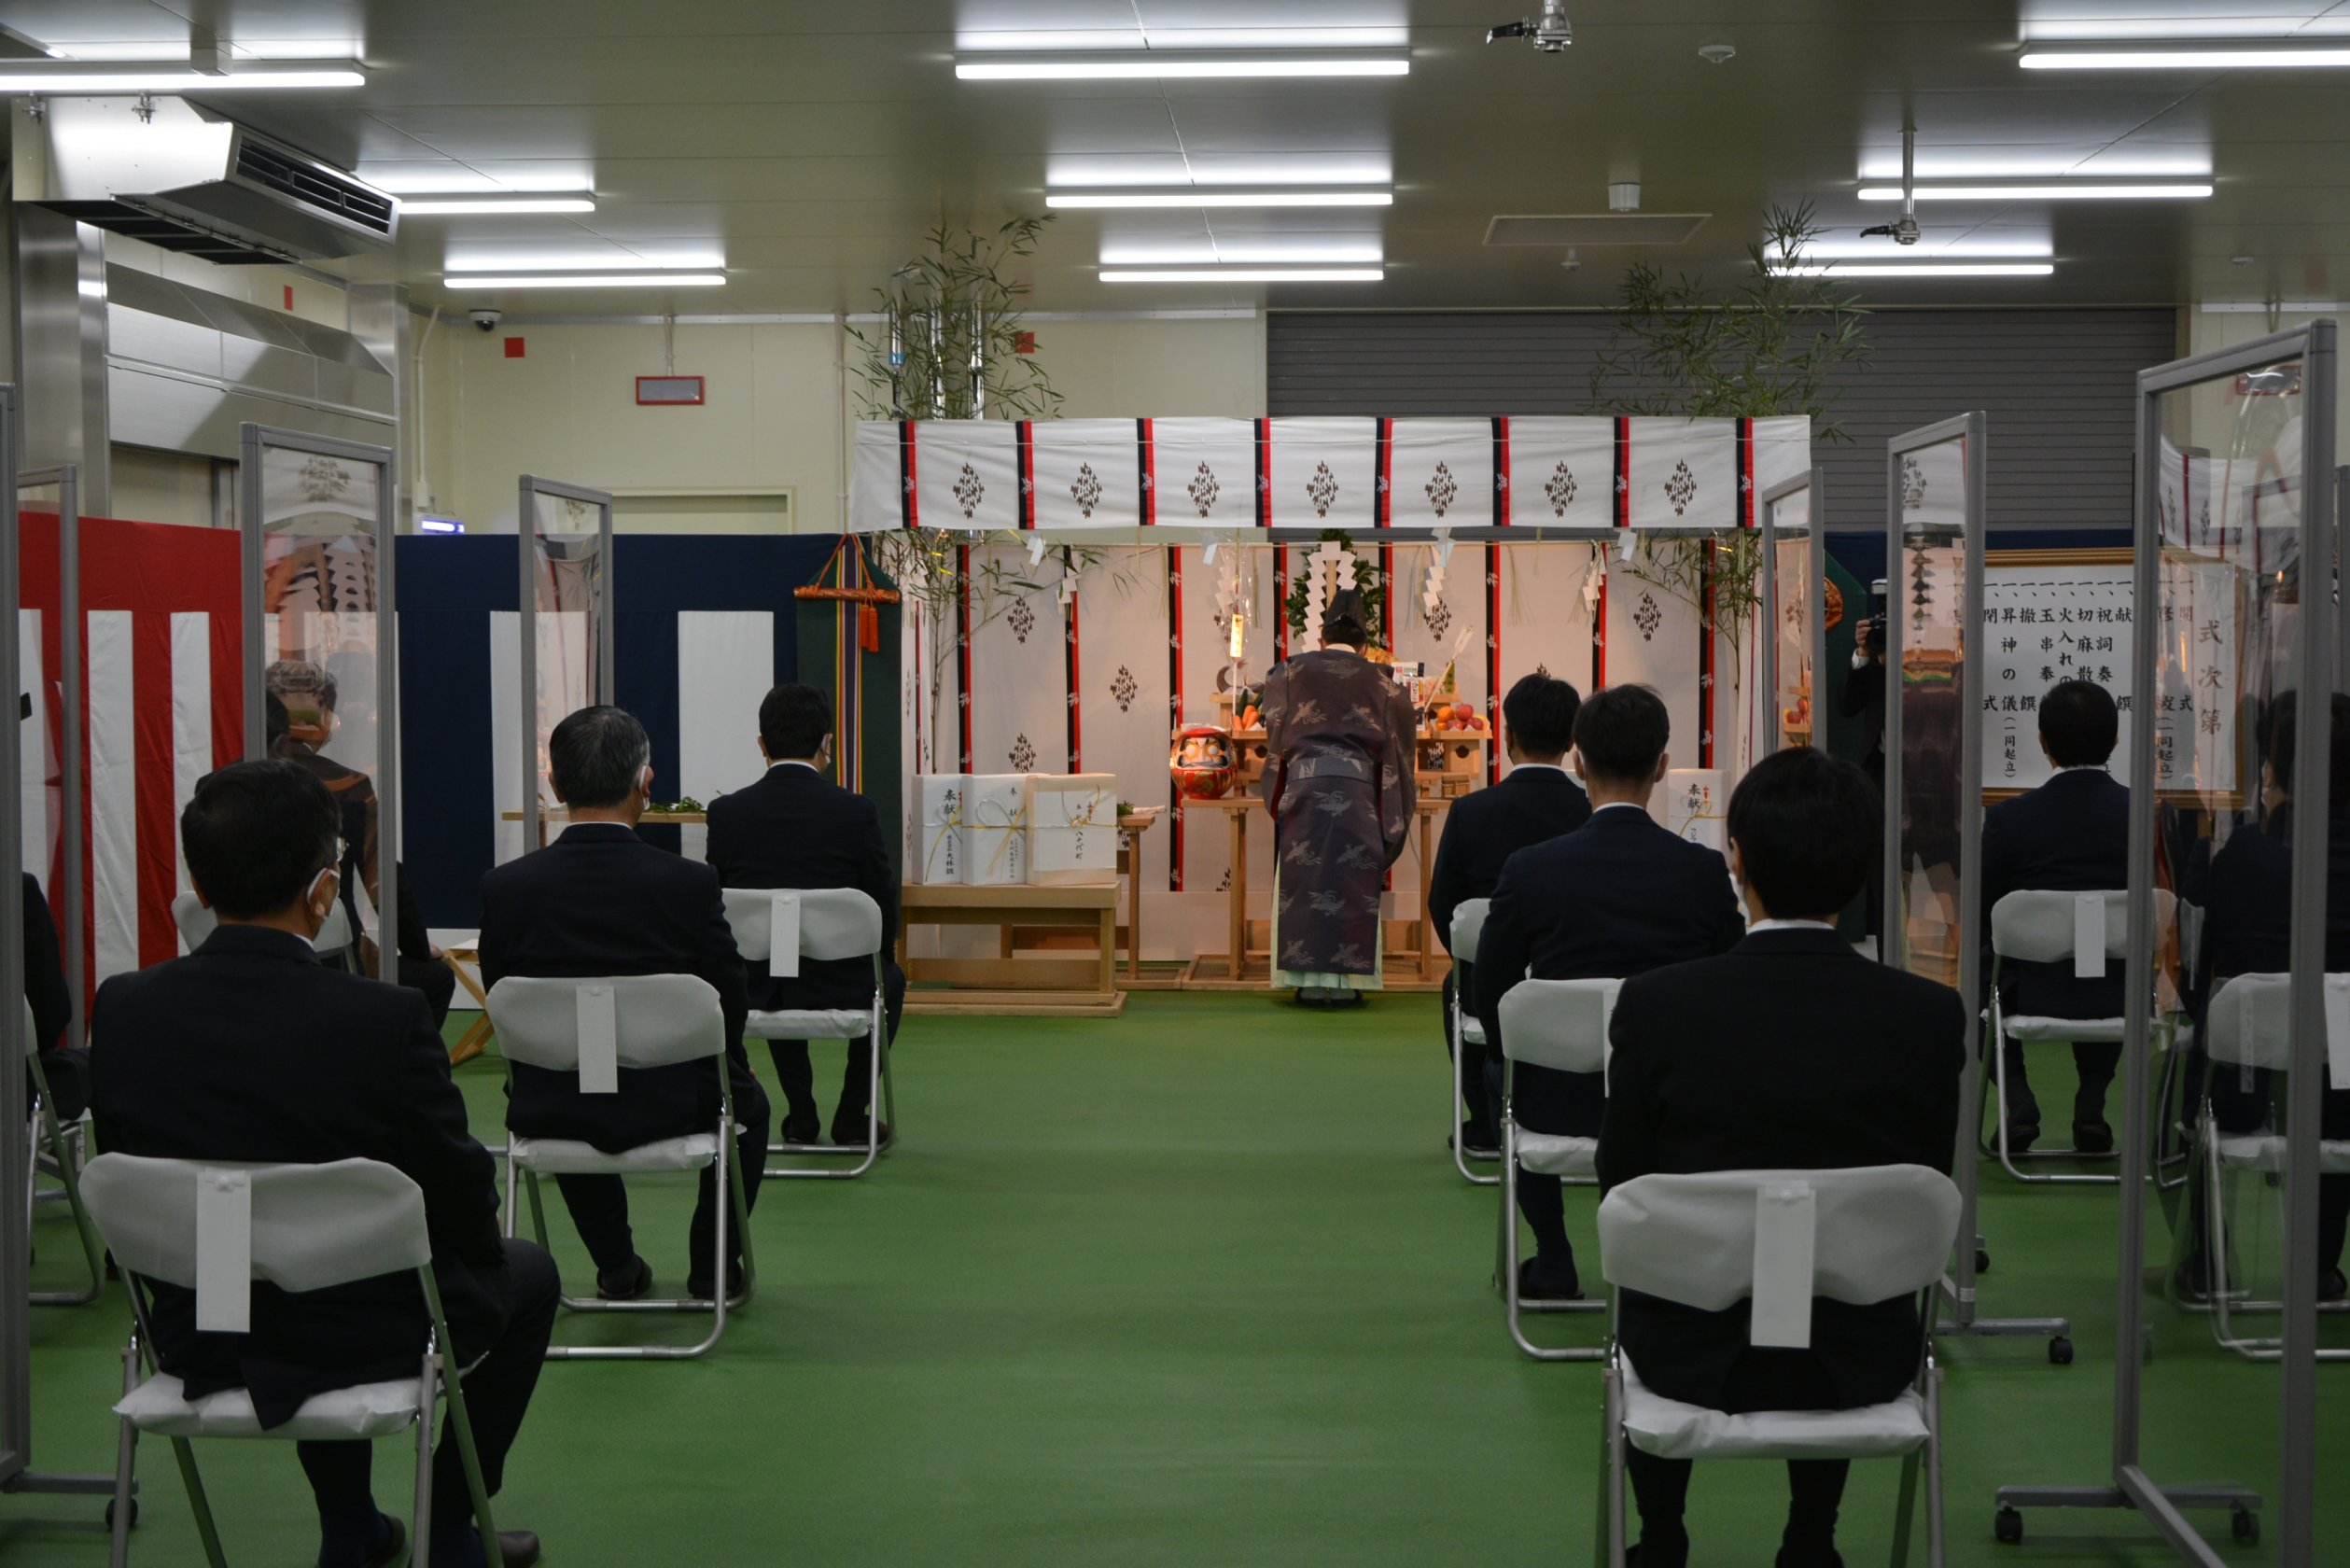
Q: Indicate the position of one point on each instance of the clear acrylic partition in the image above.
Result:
(2226, 624)
(321, 594)
(569, 578)
(1926, 600)
(1793, 628)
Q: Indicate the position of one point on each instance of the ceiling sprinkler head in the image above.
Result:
(1624, 197)
(1570, 263)
(1717, 53)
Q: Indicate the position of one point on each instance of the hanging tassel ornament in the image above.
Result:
(869, 628)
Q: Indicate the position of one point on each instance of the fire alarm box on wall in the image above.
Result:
(669, 389)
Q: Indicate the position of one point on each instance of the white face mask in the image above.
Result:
(311, 893)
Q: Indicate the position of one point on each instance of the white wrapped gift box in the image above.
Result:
(1690, 803)
(939, 847)
(1072, 829)
(996, 830)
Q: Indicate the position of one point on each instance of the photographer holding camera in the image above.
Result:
(1864, 694)
(1864, 690)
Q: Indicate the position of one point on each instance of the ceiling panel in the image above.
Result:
(812, 144)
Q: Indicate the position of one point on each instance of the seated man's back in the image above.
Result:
(1535, 801)
(2070, 834)
(251, 1050)
(796, 829)
(600, 901)
(1790, 1052)
(1616, 897)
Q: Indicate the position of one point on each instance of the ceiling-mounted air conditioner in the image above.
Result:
(182, 177)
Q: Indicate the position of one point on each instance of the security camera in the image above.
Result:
(487, 318)
(1551, 35)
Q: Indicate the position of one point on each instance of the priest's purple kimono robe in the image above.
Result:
(1339, 780)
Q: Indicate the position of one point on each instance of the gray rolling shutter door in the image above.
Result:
(2058, 385)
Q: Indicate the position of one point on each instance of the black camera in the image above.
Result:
(1873, 641)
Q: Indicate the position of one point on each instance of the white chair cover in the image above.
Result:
(1671, 1429)
(810, 1023)
(834, 922)
(196, 923)
(561, 1156)
(2034, 925)
(1558, 1024)
(314, 1226)
(2250, 1022)
(1882, 1231)
(1557, 1153)
(662, 1019)
(1468, 928)
(161, 1406)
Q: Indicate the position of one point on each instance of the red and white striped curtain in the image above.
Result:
(163, 706)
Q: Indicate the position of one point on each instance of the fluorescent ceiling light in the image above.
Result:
(2062, 191)
(457, 266)
(1225, 199)
(406, 182)
(1956, 250)
(1274, 253)
(108, 76)
(609, 280)
(2176, 59)
(497, 204)
(1920, 269)
(2081, 163)
(1147, 64)
(1244, 275)
(1066, 172)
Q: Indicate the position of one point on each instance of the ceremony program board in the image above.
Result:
(2051, 615)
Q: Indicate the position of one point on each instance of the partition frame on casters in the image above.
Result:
(252, 439)
(16, 1309)
(527, 558)
(1958, 1287)
(67, 478)
(2313, 346)
(1811, 485)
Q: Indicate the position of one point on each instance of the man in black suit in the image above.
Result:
(1862, 693)
(795, 830)
(2246, 891)
(600, 901)
(1535, 802)
(1789, 1052)
(66, 1068)
(1615, 898)
(251, 1049)
(2070, 833)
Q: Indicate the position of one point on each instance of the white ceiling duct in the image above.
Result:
(165, 170)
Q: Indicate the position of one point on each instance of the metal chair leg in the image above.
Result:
(1934, 1521)
(873, 1147)
(420, 1530)
(1460, 1098)
(1612, 1473)
(126, 1450)
(206, 1530)
(1509, 1265)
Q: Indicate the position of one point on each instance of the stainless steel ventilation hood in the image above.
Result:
(181, 177)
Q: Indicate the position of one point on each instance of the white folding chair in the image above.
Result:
(59, 1151)
(216, 1229)
(2090, 929)
(1561, 1024)
(833, 923)
(1780, 1237)
(2248, 1026)
(593, 1027)
(1468, 925)
(196, 924)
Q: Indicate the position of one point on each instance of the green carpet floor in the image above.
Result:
(1196, 1287)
